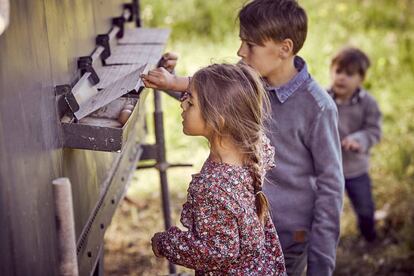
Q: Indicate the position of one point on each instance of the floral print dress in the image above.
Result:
(225, 235)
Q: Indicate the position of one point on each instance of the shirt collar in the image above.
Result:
(356, 97)
(285, 91)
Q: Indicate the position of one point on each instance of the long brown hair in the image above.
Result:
(234, 104)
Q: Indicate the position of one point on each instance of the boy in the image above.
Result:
(359, 130)
(305, 189)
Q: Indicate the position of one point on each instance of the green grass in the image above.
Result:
(204, 32)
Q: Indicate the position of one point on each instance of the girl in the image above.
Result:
(229, 228)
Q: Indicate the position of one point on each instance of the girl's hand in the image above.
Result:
(169, 61)
(159, 78)
(154, 242)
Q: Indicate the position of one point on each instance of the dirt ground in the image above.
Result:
(128, 251)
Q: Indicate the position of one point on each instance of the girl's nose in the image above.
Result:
(183, 105)
(241, 52)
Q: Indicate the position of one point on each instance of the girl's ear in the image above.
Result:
(286, 48)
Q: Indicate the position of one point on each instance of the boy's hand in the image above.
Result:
(350, 144)
(169, 61)
(159, 78)
(154, 242)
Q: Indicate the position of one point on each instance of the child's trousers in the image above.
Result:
(360, 193)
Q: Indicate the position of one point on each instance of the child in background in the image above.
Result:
(359, 130)
(230, 231)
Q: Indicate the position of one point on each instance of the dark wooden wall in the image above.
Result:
(38, 51)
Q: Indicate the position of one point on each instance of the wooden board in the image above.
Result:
(136, 54)
(107, 74)
(38, 51)
(114, 90)
(145, 36)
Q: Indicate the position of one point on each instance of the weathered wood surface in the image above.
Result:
(145, 36)
(108, 73)
(135, 54)
(39, 50)
(63, 203)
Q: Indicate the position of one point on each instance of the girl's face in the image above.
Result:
(193, 122)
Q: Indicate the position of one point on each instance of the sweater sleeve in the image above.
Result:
(370, 133)
(213, 241)
(326, 153)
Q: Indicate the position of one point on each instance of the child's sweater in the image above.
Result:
(359, 119)
(224, 236)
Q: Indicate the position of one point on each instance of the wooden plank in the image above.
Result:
(119, 87)
(71, 34)
(113, 191)
(145, 36)
(136, 54)
(108, 74)
(63, 203)
(103, 11)
(82, 136)
(102, 134)
(29, 141)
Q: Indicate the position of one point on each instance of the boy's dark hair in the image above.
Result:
(262, 20)
(351, 60)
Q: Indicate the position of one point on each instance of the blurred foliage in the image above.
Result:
(207, 31)
(193, 18)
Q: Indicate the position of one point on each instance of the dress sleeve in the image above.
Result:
(267, 154)
(213, 242)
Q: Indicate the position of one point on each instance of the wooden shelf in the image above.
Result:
(107, 85)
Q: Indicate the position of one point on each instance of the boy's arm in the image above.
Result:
(161, 79)
(370, 133)
(213, 242)
(325, 148)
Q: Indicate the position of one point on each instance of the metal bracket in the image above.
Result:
(85, 65)
(60, 92)
(132, 11)
(150, 153)
(62, 89)
(119, 22)
(71, 101)
(103, 40)
(137, 10)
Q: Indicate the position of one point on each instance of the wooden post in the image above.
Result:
(4, 15)
(65, 223)
(162, 164)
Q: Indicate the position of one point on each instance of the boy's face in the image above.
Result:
(265, 59)
(345, 83)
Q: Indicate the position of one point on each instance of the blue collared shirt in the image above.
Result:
(285, 91)
(305, 189)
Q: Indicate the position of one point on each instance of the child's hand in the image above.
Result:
(169, 61)
(154, 242)
(350, 144)
(159, 78)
